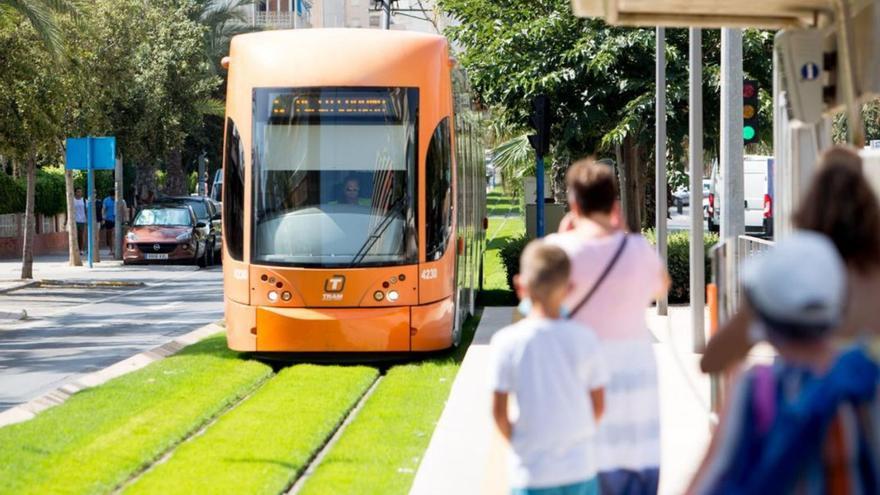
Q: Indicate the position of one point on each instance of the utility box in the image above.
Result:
(530, 187)
(553, 214)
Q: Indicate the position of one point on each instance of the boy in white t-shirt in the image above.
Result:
(553, 368)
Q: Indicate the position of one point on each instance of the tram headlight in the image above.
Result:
(285, 296)
(378, 295)
(273, 296)
(393, 295)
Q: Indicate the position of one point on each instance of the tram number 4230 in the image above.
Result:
(429, 274)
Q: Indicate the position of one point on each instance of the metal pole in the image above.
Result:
(386, 14)
(90, 202)
(203, 184)
(539, 196)
(698, 254)
(781, 168)
(660, 156)
(732, 200)
(120, 212)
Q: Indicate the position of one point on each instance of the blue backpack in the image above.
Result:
(780, 440)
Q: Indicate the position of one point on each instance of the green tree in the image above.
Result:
(600, 79)
(41, 14)
(31, 97)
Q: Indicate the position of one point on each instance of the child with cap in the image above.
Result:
(553, 369)
(809, 423)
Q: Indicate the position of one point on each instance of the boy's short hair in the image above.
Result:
(593, 186)
(543, 268)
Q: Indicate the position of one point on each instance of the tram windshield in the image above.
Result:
(335, 176)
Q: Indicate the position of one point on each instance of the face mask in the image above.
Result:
(525, 306)
(564, 312)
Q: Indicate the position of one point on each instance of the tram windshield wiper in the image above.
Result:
(379, 230)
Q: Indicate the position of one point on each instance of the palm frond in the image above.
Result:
(210, 106)
(40, 17)
(514, 157)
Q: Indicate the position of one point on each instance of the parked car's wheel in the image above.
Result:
(209, 253)
(202, 260)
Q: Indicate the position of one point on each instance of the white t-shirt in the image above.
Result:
(79, 210)
(549, 366)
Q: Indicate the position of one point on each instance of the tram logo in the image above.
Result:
(334, 284)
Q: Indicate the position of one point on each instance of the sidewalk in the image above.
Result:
(56, 268)
(467, 456)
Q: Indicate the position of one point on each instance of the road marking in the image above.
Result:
(73, 309)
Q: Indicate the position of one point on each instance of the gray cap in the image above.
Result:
(798, 287)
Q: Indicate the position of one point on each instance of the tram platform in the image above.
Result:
(467, 456)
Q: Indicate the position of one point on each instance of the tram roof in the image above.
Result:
(770, 14)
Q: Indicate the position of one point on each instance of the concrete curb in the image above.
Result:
(12, 315)
(89, 283)
(19, 285)
(58, 396)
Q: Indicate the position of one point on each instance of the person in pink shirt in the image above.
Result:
(615, 276)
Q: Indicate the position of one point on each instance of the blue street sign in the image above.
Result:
(95, 153)
(810, 71)
(90, 154)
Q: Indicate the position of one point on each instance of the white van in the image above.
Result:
(757, 191)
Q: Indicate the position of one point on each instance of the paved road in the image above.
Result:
(70, 331)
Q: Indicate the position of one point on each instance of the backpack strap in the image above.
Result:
(764, 398)
(602, 277)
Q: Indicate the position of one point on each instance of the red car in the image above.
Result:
(167, 233)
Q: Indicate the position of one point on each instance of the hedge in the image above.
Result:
(49, 191)
(678, 260)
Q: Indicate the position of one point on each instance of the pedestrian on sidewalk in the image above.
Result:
(109, 207)
(840, 203)
(807, 424)
(553, 368)
(615, 277)
(79, 216)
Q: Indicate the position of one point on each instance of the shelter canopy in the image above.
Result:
(770, 14)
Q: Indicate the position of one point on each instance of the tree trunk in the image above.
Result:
(145, 181)
(175, 181)
(630, 175)
(27, 261)
(557, 173)
(16, 169)
(72, 243)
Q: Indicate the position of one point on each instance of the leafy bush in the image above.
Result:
(678, 263)
(50, 191)
(12, 195)
(510, 254)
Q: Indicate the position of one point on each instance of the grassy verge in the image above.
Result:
(495, 290)
(101, 436)
(262, 444)
(499, 204)
(380, 450)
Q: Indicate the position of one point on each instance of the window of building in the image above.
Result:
(438, 189)
(233, 193)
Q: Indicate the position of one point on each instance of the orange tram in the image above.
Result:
(353, 194)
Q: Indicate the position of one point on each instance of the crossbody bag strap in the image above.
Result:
(602, 277)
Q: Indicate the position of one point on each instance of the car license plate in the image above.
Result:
(156, 256)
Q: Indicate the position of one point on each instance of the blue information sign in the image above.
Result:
(95, 153)
(89, 154)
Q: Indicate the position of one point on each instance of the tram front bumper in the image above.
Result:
(333, 330)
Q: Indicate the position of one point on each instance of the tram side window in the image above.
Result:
(233, 194)
(438, 218)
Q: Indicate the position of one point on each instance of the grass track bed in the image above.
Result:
(261, 445)
(380, 451)
(100, 437)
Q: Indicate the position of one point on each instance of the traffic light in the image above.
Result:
(750, 111)
(541, 120)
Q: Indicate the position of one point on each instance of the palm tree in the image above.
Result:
(224, 19)
(41, 15)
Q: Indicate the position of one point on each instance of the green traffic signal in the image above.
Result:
(748, 133)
